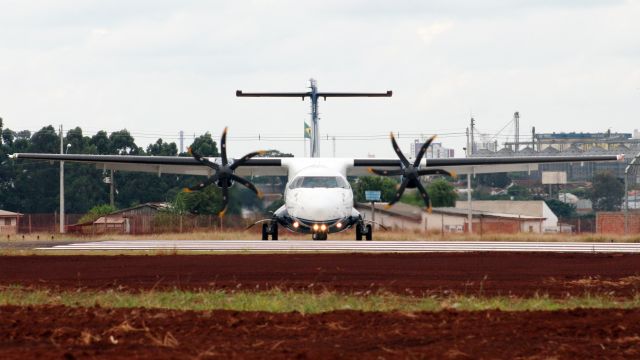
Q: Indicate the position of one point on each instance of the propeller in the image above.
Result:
(224, 175)
(411, 173)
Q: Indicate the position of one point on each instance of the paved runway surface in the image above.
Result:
(351, 246)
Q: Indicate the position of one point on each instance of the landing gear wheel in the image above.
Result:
(358, 232)
(319, 236)
(270, 230)
(369, 235)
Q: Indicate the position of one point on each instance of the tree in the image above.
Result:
(161, 148)
(607, 192)
(517, 192)
(496, 180)
(96, 212)
(384, 184)
(123, 143)
(442, 193)
(204, 145)
(562, 210)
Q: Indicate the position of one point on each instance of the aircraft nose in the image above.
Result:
(319, 205)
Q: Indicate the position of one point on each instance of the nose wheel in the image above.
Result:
(319, 236)
(365, 231)
(270, 229)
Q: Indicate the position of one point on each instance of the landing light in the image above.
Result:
(296, 224)
(315, 227)
(339, 225)
(323, 227)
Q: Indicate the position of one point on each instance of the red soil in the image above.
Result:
(520, 274)
(60, 332)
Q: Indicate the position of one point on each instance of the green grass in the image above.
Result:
(303, 302)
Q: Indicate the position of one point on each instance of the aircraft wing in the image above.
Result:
(162, 164)
(478, 165)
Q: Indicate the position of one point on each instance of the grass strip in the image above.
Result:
(303, 302)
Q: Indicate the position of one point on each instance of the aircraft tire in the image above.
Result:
(369, 235)
(265, 232)
(274, 233)
(358, 233)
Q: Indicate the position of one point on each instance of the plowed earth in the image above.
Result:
(60, 332)
(70, 332)
(488, 274)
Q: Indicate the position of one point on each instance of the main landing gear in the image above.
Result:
(364, 230)
(270, 229)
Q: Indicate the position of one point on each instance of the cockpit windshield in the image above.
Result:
(319, 182)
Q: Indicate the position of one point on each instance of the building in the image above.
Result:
(9, 222)
(534, 208)
(575, 144)
(435, 151)
(135, 220)
(449, 220)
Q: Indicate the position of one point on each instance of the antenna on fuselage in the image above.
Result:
(313, 94)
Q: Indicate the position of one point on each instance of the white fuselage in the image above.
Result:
(319, 194)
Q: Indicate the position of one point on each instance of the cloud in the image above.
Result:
(429, 33)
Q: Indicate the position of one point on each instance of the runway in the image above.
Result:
(349, 246)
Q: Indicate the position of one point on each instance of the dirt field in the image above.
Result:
(520, 274)
(59, 332)
(77, 332)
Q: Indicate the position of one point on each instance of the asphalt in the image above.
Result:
(347, 246)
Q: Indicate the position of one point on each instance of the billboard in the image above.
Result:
(554, 177)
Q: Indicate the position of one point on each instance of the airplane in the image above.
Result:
(318, 199)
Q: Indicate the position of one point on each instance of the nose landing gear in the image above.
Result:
(270, 229)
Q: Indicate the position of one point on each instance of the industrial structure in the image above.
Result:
(562, 144)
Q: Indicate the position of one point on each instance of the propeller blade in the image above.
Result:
(202, 185)
(399, 193)
(223, 147)
(247, 184)
(245, 158)
(425, 196)
(225, 198)
(452, 174)
(396, 148)
(423, 150)
(203, 160)
(385, 172)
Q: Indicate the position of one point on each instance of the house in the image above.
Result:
(134, 220)
(449, 220)
(9, 222)
(530, 208)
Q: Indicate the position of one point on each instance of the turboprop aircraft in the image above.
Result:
(318, 197)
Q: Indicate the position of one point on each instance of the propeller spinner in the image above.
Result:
(411, 173)
(224, 173)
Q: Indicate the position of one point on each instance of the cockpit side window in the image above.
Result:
(311, 182)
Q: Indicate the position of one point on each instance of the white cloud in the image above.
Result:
(429, 33)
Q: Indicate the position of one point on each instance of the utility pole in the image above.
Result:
(533, 138)
(112, 190)
(61, 182)
(516, 121)
(181, 142)
(469, 211)
(334, 146)
(473, 141)
(468, 149)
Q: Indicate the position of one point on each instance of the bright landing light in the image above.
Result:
(323, 227)
(296, 224)
(339, 225)
(315, 227)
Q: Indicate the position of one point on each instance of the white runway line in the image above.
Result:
(351, 246)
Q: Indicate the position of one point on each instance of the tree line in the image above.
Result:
(32, 186)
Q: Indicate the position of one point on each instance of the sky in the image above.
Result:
(159, 67)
